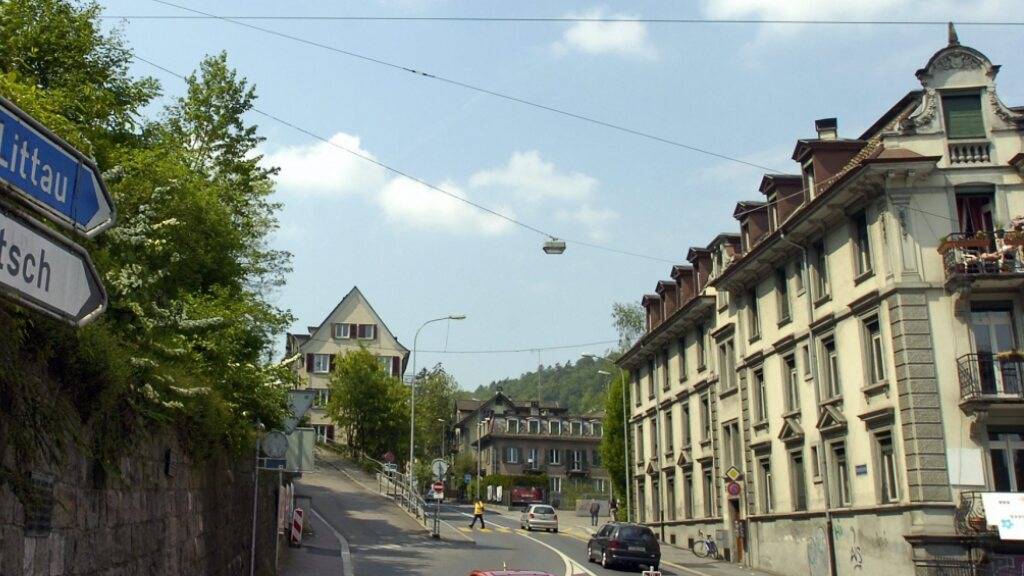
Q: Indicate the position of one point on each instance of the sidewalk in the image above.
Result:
(673, 556)
(320, 554)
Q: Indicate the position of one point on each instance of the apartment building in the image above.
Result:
(515, 437)
(835, 388)
(351, 325)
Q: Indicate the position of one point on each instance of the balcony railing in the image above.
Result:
(967, 255)
(969, 517)
(970, 152)
(986, 376)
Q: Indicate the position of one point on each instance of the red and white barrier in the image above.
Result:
(296, 539)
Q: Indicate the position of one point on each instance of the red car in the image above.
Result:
(509, 573)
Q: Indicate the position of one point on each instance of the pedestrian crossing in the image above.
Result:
(501, 529)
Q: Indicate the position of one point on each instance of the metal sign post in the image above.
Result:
(42, 270)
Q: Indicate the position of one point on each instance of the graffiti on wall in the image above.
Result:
(817, 555)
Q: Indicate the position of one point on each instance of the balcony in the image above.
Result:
(969, 517)
(987, 379)
(970, 153)
(984, 261)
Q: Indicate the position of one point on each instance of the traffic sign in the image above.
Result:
(439, 468)
(468, 478)
(50, 175)
(732, 488)
(47, 272)
(733, 473)
(438, 486)
(389, 457)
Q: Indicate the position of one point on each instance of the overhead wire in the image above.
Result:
(420, 181)
(474, 87)
(565, 19)
(530, 349)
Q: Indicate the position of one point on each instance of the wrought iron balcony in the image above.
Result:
(969, 518)
(991, 377)
(983, 257)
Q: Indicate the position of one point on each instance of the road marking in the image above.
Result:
(571, 566)
(346, 552)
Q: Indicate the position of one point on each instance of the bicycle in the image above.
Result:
(704, 546)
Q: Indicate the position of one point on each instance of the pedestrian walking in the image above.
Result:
(613, 507)
(595, 509)
(478, 513)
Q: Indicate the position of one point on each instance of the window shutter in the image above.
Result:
(568, 458)
(373, 332)
(309, 362)
(583, 458)
(963, 116)
(396, 366)
(330, 365)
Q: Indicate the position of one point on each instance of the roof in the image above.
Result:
(891, 113)
(769, 181)
(681, 269)
(744, 207)
(805, 145)
(467, 405)
(355, 292)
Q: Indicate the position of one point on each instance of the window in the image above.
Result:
(533, 426)
(555, 457)
(792, 380)
(710, 498)
(650, 378)
(745, 237)
(513, 426)
(727, 364)
(532, 457)
(367, 331)
(576, 426)
(863, 244)
(597, 429)
(888, 483)
(821, 287)
(732, 452)
(596, 458)
(600, 485)
(782, 295)
(682, 358)
(322, 397)
(385, 363)
(639, 442)
(511, 455)
(1006, 458)
(664, 370)
(760, 395)
(705, 416)
(963, 116)
(670, 497)
(830, 368)
(773, 211)
(576, 460)
(321, 363)
(974, 207)
(798, 276)
(809, 179)
(753, 315)
(797, 480)
(654, 437)
(342, 331)
(688, 495)
(764, 479)
(702, 360)
(686, 425)
(806, 357)
(555, 427)
(556, 484)
(636, 388)
(840, 476)
(875, 350)
(815, 464)
(669, 444)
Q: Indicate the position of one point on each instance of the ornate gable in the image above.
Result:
(831, 422)
(791, 432)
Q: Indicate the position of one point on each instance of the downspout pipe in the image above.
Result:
(805, 277)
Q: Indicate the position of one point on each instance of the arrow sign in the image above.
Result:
(45, 271)
(50, 175)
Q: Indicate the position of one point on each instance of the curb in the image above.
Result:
(346, 552)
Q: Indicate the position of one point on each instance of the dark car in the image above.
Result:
(624, 543)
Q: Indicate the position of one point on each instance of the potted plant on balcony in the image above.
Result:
(1010, 356)
(959, 240)
(1014, 238)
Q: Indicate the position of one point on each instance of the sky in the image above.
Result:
(747, 91)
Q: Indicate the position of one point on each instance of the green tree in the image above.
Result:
(628, 319)
(436, 391)
(613, 442)
(369, 404)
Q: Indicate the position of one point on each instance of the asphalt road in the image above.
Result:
(385, 541)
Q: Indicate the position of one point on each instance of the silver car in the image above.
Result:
(540, 517)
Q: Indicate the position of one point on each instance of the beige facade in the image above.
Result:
(853, 351)
(351, 325)
(529, 437)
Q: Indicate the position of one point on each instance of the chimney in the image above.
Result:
(828, 128)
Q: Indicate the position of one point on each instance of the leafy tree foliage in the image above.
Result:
(628, 319)
(187, 336)
(436, 391)
(370, 405)
(613, 443)
(576, 386)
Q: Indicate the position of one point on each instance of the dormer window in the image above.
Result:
(773, 212)
(809, 179)
(962, 113)
(745, 229)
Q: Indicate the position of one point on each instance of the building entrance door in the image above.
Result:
(739, 530)
(1006, 455)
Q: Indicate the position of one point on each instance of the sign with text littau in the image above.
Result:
(50, 175)
(47, 272)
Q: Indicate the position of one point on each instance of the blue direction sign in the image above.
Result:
(51, 175)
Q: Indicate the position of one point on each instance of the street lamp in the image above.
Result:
(554, 246)
(625, 432)
(479, 425)
(412, 402)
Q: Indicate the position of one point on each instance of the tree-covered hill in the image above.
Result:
(577, 386)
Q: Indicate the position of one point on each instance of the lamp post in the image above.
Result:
(479, 426)
(625, 433)
(412, 401)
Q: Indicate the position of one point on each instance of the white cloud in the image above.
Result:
(323, 170)
(408, 202)
(624, 38)
(597, 220)
(531, 178)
